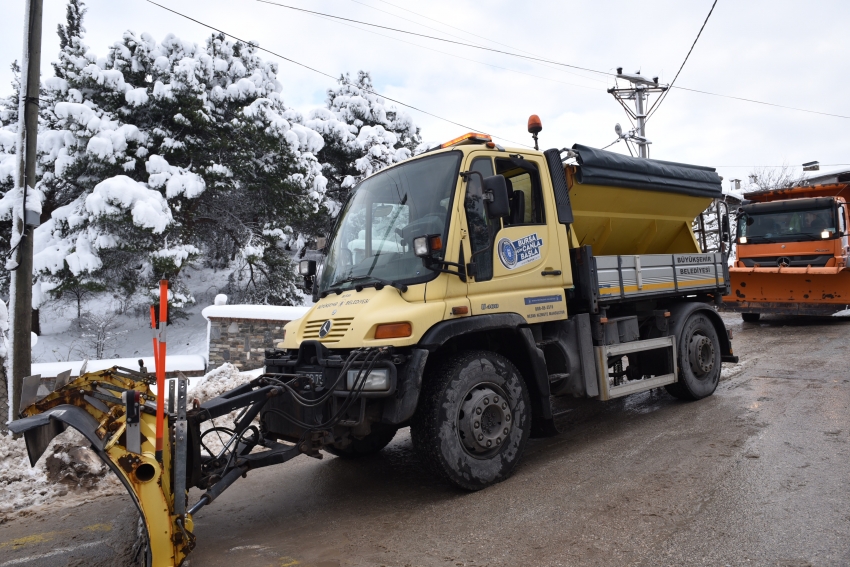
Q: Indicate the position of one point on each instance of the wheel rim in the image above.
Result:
(484, 420)
(701, 355)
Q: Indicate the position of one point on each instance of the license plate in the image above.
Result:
(317, 378)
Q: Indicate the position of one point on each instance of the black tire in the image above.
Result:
(378, 438)
(699, 359)
(466, 385)
(750, 317)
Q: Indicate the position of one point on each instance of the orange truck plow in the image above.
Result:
(792, 253)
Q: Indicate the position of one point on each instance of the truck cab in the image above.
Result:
(462, 289)
(792, 251)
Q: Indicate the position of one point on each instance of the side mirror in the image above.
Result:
(307, 269)
(725, 227)
(496, 197)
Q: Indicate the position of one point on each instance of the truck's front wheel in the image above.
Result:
(473, 419)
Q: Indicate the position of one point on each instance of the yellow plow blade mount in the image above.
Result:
(115, 410)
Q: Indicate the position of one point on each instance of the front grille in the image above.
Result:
(815, 261)
(339, 326)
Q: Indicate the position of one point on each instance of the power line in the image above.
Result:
(764, 103)
(326, 74)
(538, 59)
(353, 26)
(682, 66)
(464, 31)
(549, 61)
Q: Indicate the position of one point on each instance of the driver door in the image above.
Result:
(517, 261)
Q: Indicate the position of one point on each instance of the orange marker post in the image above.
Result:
(155, 341)
(160, 366)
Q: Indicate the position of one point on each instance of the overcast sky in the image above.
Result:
(778, 51)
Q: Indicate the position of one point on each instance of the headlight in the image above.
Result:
(825, 234)
(742, 240)
(377, 380)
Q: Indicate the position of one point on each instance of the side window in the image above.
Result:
(524, 192)
(480, 227)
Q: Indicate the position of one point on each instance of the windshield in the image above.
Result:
(375, 232)
(787, 226)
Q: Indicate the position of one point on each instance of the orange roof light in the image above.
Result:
(534, 124)
(468, 138)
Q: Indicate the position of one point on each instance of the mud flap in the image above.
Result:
(148, 481)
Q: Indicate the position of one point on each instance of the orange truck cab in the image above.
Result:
(792, 253)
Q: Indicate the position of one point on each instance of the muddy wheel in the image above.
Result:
(379, 438)
(750, 317)
(473, 419)
(699, 359)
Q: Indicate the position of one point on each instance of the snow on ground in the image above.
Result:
(728, 372)
(67, 471)
(61, 340)
(842, 313)
(218, 381)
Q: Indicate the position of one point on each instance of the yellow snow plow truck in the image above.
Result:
(459, 292)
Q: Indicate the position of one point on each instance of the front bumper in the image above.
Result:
(316, 370)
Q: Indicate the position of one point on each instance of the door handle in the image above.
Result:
(550, 273)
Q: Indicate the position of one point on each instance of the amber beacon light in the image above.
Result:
(535, 126)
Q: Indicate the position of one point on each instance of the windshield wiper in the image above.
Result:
(378, 282)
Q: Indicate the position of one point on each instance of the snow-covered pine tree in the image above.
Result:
(169, 151)
(8, 161)
(362, 133)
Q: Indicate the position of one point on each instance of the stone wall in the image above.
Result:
(242, 342)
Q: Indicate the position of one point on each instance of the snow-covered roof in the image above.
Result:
(181, 362)
(262, 312)
(827, 177)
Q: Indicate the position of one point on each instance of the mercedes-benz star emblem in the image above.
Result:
(784, 262)
(325, 329)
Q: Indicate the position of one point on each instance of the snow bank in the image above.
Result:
(262, 312)
(842, 313)
(215, 383)
(68, 466)
(218, 381)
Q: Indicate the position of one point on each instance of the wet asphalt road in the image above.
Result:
(758, 474)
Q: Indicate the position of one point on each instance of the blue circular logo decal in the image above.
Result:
(507, 253)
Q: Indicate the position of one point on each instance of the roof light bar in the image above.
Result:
(468, 138)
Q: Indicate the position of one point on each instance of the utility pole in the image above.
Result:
(21, 351)
(639, 91)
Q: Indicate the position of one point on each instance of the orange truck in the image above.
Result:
(792, 253)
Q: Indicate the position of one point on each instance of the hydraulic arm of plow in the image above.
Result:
(115, 410)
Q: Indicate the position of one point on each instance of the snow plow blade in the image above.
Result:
(788, 291)
(115, 410)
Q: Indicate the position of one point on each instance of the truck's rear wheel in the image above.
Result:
(699, 359)
(378, 438)
(750, 317)
(473, 419)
